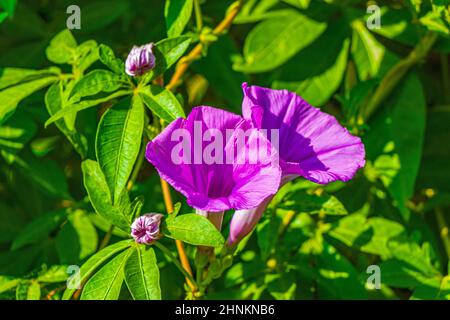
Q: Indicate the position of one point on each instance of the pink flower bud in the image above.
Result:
(145, 229)
(140, 60)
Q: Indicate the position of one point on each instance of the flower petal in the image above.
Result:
(311, 143)
(214, 186)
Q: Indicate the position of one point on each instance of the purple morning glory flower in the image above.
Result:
(202, 158)
(140, 60)
(312, 144)
(145, 229)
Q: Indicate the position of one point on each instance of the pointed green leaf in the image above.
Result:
(62, 48)
(89, 267)
(177, 14)
(275, 40)
(142, 274)
(100, 196)
(13, 76)
(367, 52)
(97, 81)
(11, 96)
(39, 228)
(118, 141)
(77, 239)
(84, 105)
(108, 58)
(54, 103)
(167, 52)
(162, 102)
(194, 229)
(106, 283)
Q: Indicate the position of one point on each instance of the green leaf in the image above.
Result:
(100, 196)
(28, 291)
(15, 134)
(9, 6)
(271, 43)
(11, 96)
(318, 89)
(162, 102)
(301, 201)
(142, 274)
(266, 232)
(77, 239)
(118, 141)
(8, 283)
(13, 76)
(400, 274)
(367, 52)
(398, 131)
(318, 79)
(54, 103)
(62, 48)
(368, 235)
(108, 58)
(89, 267)
(194, 229)
(167, 52)
(172, 49)
(106, 283)
(416, 256)
(84, 105)
(177, 14)
(97, 81)
(87, 54)
(39, 228)
(337, 276)
(433, 291)
(56, 273)
(45, 174)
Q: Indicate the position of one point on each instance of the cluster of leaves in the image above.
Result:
(73, 171)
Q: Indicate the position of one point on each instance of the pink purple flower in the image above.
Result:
(205, 176)
(312, 144)
(140, 60)
(145, 229)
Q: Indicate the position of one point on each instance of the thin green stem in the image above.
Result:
(106, 238)
(443, 231)
(198, 15)
(169, 254)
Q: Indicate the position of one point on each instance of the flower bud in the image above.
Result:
(244, 221)
(145, 229)
(140, 60)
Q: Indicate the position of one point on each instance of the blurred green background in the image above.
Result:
(315, 242)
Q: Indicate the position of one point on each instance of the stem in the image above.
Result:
(443, 231)
(138, 165)
(180, 247)
(106, 238)
(167, 252)
(198, 15)
(196, 53)
(397, 72)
